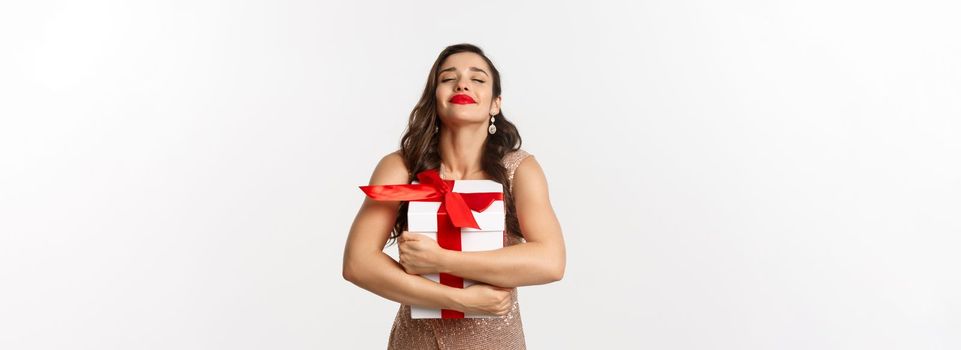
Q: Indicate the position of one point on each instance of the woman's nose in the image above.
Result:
(461, 85)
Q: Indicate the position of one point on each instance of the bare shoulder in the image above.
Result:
(529, 179)
(536, 216)
(376, 218)
(391, 169)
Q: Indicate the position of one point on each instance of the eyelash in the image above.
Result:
(477, 80)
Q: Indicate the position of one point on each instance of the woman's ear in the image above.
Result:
(496, 106)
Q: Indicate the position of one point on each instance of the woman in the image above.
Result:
(458, 128)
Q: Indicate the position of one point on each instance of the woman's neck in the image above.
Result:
(461, 152)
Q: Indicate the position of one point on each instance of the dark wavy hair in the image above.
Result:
(419, 145)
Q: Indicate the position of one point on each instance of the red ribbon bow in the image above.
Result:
(457, 206)
(454, 213)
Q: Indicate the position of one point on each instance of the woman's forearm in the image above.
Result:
(380, 274)
(523, 264)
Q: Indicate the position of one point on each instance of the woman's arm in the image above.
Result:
(540, 260)
(366, 264)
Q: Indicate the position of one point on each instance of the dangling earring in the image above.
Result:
(492, 129)
(436, 129)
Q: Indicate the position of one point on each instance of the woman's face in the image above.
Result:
(464, 90)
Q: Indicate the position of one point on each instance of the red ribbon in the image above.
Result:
(453, 214)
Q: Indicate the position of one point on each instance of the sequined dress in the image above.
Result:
(503, 332)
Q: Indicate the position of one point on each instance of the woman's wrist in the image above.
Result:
(444, 260)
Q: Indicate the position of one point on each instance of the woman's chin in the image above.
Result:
(463, 118)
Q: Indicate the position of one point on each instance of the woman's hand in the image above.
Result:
(420, 254)
(485, 299)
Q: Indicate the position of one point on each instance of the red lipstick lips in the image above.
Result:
(462, 99)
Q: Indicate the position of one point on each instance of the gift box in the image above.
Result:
(462, 215)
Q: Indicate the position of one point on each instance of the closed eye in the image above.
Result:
(448, 79)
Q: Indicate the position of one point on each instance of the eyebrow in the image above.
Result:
(471, 68)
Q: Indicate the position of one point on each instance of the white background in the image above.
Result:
(728, 175)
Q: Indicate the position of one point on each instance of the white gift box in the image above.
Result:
(422, 219)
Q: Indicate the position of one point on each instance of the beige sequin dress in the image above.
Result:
(503, 332)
